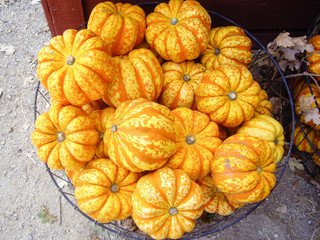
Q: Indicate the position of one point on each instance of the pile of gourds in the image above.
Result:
(307, 100)
(157, 117)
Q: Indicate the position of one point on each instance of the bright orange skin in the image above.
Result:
(300, 139)
(121, 25)
(228, 95)
(80, 142)
(139, 75)
(93, 106)
(179, 40)
(157, 194)
(314, 58)
(100, 118)
(140, 135)
(194, 156)
(104, 191)
(227, 45)
(216, 201)
(76, 67)
(243, 168)
(180, 81)
(268, 129)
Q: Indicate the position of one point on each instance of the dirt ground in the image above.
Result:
(292, 211)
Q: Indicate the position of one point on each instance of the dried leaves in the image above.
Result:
(45, 215)
(288, 51)
(306, 103)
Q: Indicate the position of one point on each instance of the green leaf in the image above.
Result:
(45, 216)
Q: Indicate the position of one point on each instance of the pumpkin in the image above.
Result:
(198, 138)
(215, 201)
(264, 107)
(72, 174)
(104, 191)
(228, 95)
(178, 30)
(268, 129)
(144, 44)
(304, 138)
(315, 152)
(100, 118)
(65, 137)
(139, 76)
(76, 67)
(166, 203)
(140, 135)
(314, 57)
(243, 168)
(179, 83)
(120, 25)
(223, 133)
(227, 45)
(306, 107)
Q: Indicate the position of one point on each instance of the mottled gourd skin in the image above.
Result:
(178, 30)
(227, 45)
(197, 140)
(228, 95)
(66, 137)
(141, 135)
(180, 80)
(121, 25)
(216, 201)
(300, 139)
(243, 168)
(314, 57)
(139, 75)
(311, 117)
(104, 191)
(166, 203)
(268, 129)
(76, 67)
(100, 118)
(316, 155)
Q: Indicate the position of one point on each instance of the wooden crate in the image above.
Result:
(265, 19)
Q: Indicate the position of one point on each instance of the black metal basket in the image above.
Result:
(208, 223)
(306, 82)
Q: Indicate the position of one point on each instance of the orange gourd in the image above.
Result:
(104, 191)
(65, 137)
(76, 67)
(139, 75)
(197, 140)
(227, 45)
(180, 81)
(178, 30)
(314, 57)
(243, 168)
(140, 135)
(121, 25)
(264, 107)
(228, 95)
(166, 203)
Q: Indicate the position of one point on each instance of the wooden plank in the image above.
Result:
(62, 15)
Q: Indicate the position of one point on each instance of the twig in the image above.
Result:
(300, 75)
(313, 212)
(314, 233)
(60, 205)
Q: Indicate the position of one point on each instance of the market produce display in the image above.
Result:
(156, 117)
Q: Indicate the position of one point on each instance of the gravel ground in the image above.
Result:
(290, 212)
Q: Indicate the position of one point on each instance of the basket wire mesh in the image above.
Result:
(211, 223)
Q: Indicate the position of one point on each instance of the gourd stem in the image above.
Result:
(61, 137)
(190, 139)
(259, 169)
(217, 51)
(115, 188)
(187, 77)
(114, 128)
(174, 21)
(276, 141)
(232, 95)
(101, 135)
(70, 60)
(173, 211)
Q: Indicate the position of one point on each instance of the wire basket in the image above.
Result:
(307, 144)
(208, 223)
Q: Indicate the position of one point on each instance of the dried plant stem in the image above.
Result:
(301, 74)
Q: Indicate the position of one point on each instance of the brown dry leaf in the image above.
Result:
(305, 103)
(284, 40)
(295, 164)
